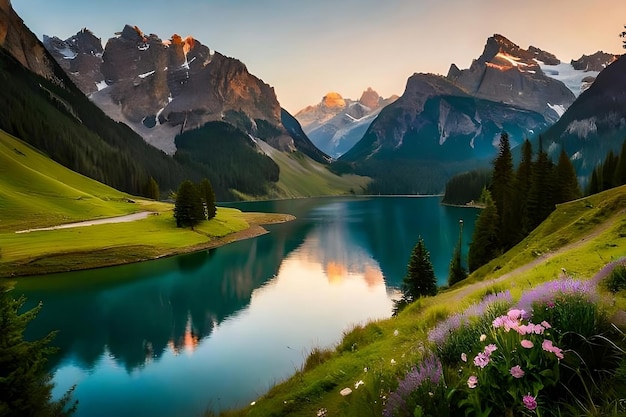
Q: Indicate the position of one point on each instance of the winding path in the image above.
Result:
(119, 219)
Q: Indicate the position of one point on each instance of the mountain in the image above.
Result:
(444, 125)
(509, 74)
(595, 123)
(577, 75)
(335, 124)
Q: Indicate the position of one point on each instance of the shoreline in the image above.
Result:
(255, 229)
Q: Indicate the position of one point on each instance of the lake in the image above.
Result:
(216, 329)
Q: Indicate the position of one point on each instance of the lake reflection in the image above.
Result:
(217, 329)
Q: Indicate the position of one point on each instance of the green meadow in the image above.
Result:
(36, 192)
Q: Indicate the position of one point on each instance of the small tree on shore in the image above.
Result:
(25, 384)
(188, 208)
(420, 277)
(208, 198)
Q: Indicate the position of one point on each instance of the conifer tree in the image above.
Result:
(620, 171)
(208, 198)
(567, 188)
(25, 385)
(523, 181)
(456, 272)
(420, 277)
(503, 191)
(485, 242)
(540, 196)
(609, 168)
(188, 208)
(594, 182)
(153, 191)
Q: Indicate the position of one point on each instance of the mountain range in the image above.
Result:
(444, 125)
(336, 123)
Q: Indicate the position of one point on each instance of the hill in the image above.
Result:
(581, 236)
(36, 192)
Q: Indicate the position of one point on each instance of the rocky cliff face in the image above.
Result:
(163, 87)
(595, 62)
(335, 124)
(22, 44)
(80, 56)
(509, 74)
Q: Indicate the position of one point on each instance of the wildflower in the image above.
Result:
(463, 357)
(483, 337)
(549, 347)
(516, 314)
(358, 384)
(517, 371)
(396, 332)
(481, 360)
(526, 343)
(322, 412)
(529, 402)
(393, 361)
(546, 325)
(489, 349)
(472, 381)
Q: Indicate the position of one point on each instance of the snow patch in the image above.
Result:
(578, 155)
(558, 108)
(67, 53)
(572, 78)
(582, 128)
(143, 46)
(147, 74)
(101, 85)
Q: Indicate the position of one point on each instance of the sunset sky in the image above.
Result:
(305, 49)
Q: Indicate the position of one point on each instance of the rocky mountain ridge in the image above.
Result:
(336, 123)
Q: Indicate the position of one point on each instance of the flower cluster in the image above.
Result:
(518, 354)
(546, 293)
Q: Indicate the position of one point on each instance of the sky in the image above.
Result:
(305, 49)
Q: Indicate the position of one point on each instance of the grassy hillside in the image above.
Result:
(300, 176)
(581, 237)
(38, 192)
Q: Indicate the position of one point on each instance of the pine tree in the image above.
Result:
(541, 195)
(188, 208)
(502, 192)
(523, 181)
(485, 242)
(594, 182)
(609, 168)
(567, 188)
(457, 272)
(208, 198)
(620, 171)
(25, 385)
(420, 277)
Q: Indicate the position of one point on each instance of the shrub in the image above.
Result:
(616, 281)
(316, 357)
(359, 336)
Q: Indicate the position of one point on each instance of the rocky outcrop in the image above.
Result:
(543, 56)
(509, 74)
(80, 56)
(22, 44)
(595, 62)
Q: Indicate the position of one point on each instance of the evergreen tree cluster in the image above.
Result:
(519, 200)
(25, 384)
(194, 203)
(466, 187)
(420, 280)
(610, 173)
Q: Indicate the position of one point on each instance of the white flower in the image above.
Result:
(393, 361)
(358, 384)
(483, 337)
(396, 332)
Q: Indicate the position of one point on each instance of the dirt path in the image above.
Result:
(465, 291)
(119, 219)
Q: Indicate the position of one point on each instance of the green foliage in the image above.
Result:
(359, 337)
(616, 281)
(466, 187)
(420, 277)
(541, 194)
(152, 190)
(485, 241)
(188, 209)
(208, 198)
(610, 173)
(567, 188)
(317, 357)
(523, 182)
(25, 384)
(502, 191)
(456, 272)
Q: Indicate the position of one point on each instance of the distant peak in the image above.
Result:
(370, 98)
(333, 100)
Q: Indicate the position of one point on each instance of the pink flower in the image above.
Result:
(489, 349)
(498, 322)
(517, 372)
(549, 347)
(472, 381)
(515, 314)
(546, 325)
(463, 357)
(539, 329)
(481, 360)
(526, 343)
(529, 402)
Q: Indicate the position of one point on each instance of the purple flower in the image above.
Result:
(472, 381)
(481, 360)
(529, 402)
(517, 371)
(526, 343)
(547, 292)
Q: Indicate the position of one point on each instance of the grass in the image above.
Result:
(594, 231)
(37, 192)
